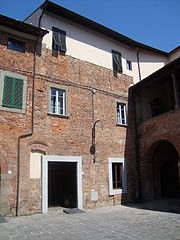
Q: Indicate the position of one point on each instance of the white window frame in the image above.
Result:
(120, 122)
(65, 99)
(113, 191)
(17, 76)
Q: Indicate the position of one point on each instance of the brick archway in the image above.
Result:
(161, 172)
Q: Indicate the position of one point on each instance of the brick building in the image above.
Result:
(155, 127)
(64, 111)
(17, 57)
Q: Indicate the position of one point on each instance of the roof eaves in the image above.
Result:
(72, 16)
(167, 68)
(21, 26)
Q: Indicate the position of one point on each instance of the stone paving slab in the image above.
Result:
(115, 223)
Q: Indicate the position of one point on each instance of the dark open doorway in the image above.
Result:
(62, 184)
(165, 171)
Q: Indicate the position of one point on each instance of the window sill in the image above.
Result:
(116, 192)
(121, 125)
(13, 110)
(58, 115)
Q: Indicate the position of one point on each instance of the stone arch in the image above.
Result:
(161, 173)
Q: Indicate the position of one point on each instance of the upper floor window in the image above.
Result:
(58, 101)
(117, 62)
(59, 40)
(129, 65)
(157, 107)
(12, 92)
(16, 45)
(121, 113)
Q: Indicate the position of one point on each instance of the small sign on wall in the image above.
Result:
(94, 195)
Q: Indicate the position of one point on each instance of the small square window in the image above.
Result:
(129, 65)
(121, 113)
(16, 45)
(117, 176)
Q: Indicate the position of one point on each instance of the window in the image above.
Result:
(121, 113)
(59, 40)
(157, 107)
(16, 45)
(129, 65)
(117, 63)
(117, 176)
(57, 99)
(12, 92)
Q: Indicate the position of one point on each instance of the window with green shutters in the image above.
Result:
(12, 92)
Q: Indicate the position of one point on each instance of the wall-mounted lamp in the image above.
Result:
(93, 148)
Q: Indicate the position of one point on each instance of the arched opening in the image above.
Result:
(164, 175)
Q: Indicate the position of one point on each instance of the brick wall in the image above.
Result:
(164, 127)
(13, 124)
(67, 136)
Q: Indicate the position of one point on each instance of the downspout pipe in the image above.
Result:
(139, 70)
(32, 124)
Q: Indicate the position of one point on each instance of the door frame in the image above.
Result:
(57, 158)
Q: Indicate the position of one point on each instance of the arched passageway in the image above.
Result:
(163, 172)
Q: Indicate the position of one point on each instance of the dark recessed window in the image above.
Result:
(117, 171)
(59, 40)
(117, 62)
(129, 65)
(16, 45)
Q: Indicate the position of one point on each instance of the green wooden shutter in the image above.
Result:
(59, 39)
(8, 92)
(63, 41)
(13, 92)
(18, 93)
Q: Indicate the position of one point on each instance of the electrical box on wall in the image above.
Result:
(94, 195)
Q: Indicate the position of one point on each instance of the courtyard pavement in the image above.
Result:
(116, 222)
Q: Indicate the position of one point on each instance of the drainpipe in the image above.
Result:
(139, 70)
(32, 124)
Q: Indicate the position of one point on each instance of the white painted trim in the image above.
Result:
(56, 158)
(117, 191)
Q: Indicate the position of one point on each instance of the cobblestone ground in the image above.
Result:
(117, 222)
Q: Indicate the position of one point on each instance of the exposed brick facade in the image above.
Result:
(66, 136)
(153, 146)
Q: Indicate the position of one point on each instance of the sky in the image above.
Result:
(152, 22)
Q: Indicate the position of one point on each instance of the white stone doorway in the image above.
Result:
(60, 159)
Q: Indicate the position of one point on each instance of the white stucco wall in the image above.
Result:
(150, 62)
(95, 48)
